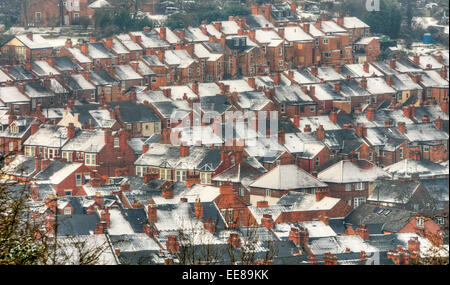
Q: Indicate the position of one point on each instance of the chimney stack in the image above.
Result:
(198, 209)
(370, 114)
(70, 131)
(234, 240)
(152, 211)
(267, 221)
(320, 133)
(401, 126)
(333, 116)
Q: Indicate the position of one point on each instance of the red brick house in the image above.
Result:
(352, 180)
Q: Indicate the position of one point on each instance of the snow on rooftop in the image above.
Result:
(346, 171)
(119, 225)
(287, 177)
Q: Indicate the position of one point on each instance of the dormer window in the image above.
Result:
(67, 211)
(14, 129)
(419, 222)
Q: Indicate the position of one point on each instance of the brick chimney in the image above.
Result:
(366, 67)
(318, 24)
(84, 48)
(234, 240)
(226, 189)
(389, 80)
(145, 148)
(34, 127)
(172, 244)
(296, 121)
(277, 78)
(320, 132)
(293, 7)
(438, 123)
(281, 32)
(184, 150)
(304, 236)
(68, 43)
(195, 87)
(414, 247)
(370, 114)
(324, 220)
(416, 59)
(209, 226)
(330, 259)
(338, 87)
(407, 112)
(417, 78)
(307, 129)
(134, 65)
(70, 130)
(251, 82)
(198, 209)
(267, 221)
(320, 194)
(340, 20)
(281, 136)
(401, 126)
(99, 200)
(361, 130)
(425, 119)
(167, 193)
(364, 82)
(306, 27)
(163, 33)
(262, 204)
(444, 105)
(393, 63)
(294, 236)
(152, 211)
(363, 232)
(334, 116)
(109, 43)
(105, 216)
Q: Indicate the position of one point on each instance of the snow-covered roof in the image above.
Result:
(37, 41)
(126, 72)
(86, 141)
(287, 177)
(12, 95)
(346, 171)
(49, 136)
(181, 58)
(296, 34)
(423, 168)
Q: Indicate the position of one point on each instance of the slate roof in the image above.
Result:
(389, 191)
(64, 63)
(381, 218)
(424, 168)
(344, 140)
(131, 112)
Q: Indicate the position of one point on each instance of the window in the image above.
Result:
(37, 17)
(317, 161)
(359, 186)
(358, 201)
(267, 194)
(370, 156)
(76, 16)
(348, 187)
(156, 126)
(312, 108)
(280, 51)
(68, 192)
(129, 126)
(181, 175)
(325, 41)
(205, 177)
(241, 191)
(11, 146)
(78, 179)
(419, 222)
(67, 211)
(401, 153)
(90, 159)
(440, 221)
(283, 108)
(230, 215)
(139, 171)
(116, 142)
(87, 177)
(280, 63)
(426, 148)
(67, 156)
